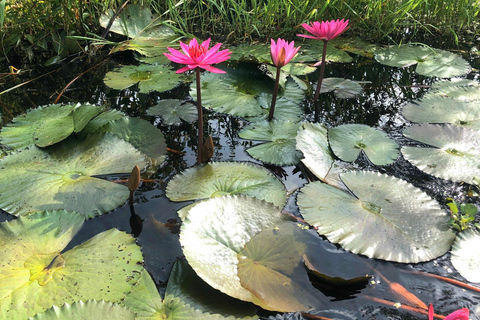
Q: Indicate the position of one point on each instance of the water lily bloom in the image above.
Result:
(325, 30)
(460, 314)
(198, 55)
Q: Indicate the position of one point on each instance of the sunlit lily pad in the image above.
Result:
(444, 110)
(259, 52)
(293, 68)
(215, 230)
(455, 152)
(149, 78)
(90, 310)
(102, 119)
(431, 62)
(349, 140)
(407, 225)
(342, 88)
(47, 125)
(355, 45)
(62, 177)
(459, 89)
(222, 178)
(466, 256)
(311, 51)
(34, 276)
(281, 146)
(173, 111)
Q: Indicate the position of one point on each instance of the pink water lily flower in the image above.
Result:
(325, 30)
(198, 55)
(460, 314)
(282, 52)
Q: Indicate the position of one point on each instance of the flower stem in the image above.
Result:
(320, 79)
(200, 117)
(274, 97)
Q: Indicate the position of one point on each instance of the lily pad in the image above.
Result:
(311, 51)
(215, 230)
(408, 226)
(47, 125)
(349, 140)
(342, 88)
(355, 45)
(459, 89)
(455, 152)
(444, 110)
(466, 256)
(36, 275)
(62, 177)
(431, 62)
(149, 78)
(259, 52)
(280, 148)
(222, 178)
(90, 310)
(173, 111)
(293, 68)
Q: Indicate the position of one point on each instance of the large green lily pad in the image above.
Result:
(455, 152)
(466, 256)
(90, 310)
(173, 111)
(312, 50)
(47, 125)
(215, 230)
(349, 140)
(355, 45)
(222, 178)
(444, 110)
(457, 88)
(280, 148)
(342, 88)
(431, 62)
(407, 225)
(35, 275)
(62, 177)
(149, 78)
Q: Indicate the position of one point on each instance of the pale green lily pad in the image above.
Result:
(62, 176)
(455, 152)
(144, 299)
(271, 267)
(466, 256)
(281, 146)
(349, 140)
(355, 45)
(342, 88)
(459, 89)
(34, 276)
(293, 68)
(149, 78)
(90, 310)
(408, 226)
(47, 125)
(431, 62)
(444, 110)
(173, 111)
(102, 119)
(312, 50)
(215, 230)
(222, 178)
(259, 52)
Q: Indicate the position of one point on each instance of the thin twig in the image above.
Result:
(112, 19)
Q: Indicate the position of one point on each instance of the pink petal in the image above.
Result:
(186, 68)
(461, 314)
(178, 57)
(430, 312)
(184, 48)
(205, 44)
(212, 69)
(212, 51)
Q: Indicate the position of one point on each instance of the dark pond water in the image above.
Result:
(378, 106)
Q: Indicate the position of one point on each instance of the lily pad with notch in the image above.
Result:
(454, 153)
(174, 111)
(408, 226)
(349, 140)
(466, 256)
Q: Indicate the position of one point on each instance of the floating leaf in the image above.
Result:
(349, 140)
(259, 52)
(342, 88)
(215, 230)
(293, 68)
(431, 62)
(459, 89)
(455, 154)
(466, 256)
(407, 225)
(35, 275)
(173, 111)
(355, 45)
(102, 119)
(90, 310)
(444, 110)
(62, 176)
(47, 125)
(222, 178)
(311, 51)
(149, 78)
(280, 150)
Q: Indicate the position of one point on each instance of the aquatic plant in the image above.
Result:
(461, 314)
(282, 52)
(325, 31)
(199, 56)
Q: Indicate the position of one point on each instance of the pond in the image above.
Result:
(156, 223)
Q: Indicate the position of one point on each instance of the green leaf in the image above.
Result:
(90, 310)
(173, 111)
(466, 256)
(459, 89)
(62, 177)
(355, 45)
(312, 50)
(408, 226)
(144, 299)
(222, 178)
(342, 88)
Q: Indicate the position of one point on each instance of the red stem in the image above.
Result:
(320, 79)
(274, 97)
(200, 118)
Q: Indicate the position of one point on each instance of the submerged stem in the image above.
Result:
(200, 118)
(320, 79)
(275, 92)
